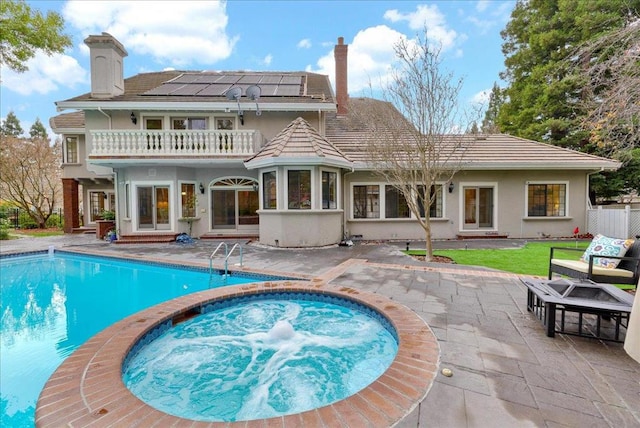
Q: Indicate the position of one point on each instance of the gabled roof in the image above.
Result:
(298, 144)
(482, 151)
(174, 90)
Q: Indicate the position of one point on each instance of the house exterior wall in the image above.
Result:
(308, 228)
(509, 212)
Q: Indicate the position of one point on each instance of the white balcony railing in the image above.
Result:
(174, 143)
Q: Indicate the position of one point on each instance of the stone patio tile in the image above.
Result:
(444, 408)
(566, 401)
(628, 389)
(559, 378)
(618, 416)
(464, 379)
(455, 335)
(461, 355)
(500, 364)
(510, 388)
(569, 418)
(485, 411)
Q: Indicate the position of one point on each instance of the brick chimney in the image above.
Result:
(342, 92)
(107, 63)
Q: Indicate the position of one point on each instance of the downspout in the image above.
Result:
(108, 117)
(589, 206)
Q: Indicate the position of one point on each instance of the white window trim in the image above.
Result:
(134, 205)
(460, 190)
(312, 191)
(261, 189)
(566, 199)
(195, 192)
(338, 188)
(65, 159)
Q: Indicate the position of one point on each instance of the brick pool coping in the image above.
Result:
(87, 389)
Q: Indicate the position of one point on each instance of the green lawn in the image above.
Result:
(532, 259)
(38, 233)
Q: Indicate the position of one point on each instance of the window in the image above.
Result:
(329, 186)
(224, 123)
(71, 150)
(395, 205)
(269, 191)
(153, 123)
(366, 201)
(127, 204)
(96, 204)
(188, 199)
(435, 210)
(299, 189)
(189, 123)
(547, 200)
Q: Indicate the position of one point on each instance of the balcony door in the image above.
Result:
(234, 205)
(153, 208)
(478, 207)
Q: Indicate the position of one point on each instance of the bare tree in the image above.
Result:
(30, 175)
(412, 137)
(612, 90)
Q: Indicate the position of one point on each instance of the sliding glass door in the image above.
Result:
(153, 208)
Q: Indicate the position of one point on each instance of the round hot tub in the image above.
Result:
(88, 388)
(262, 356)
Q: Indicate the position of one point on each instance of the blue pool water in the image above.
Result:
(50, 305)
(262, 357)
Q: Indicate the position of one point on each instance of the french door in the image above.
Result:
(234, 207)
(478, 208)
(153, 208)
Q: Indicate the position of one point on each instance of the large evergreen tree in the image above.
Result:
(38, 130)
(544, 97)
(490, 121)
(10, 126)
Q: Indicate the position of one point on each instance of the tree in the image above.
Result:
(496, 99)
(23, 31)
(408, 134)
(38, 130)
(611, 65)
(30, 175)
(544, 97)
(11, 126)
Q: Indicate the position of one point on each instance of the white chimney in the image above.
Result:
(107, 64)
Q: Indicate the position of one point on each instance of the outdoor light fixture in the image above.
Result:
(451, 187)
(255, 187)
(133, 117)
(201, 188)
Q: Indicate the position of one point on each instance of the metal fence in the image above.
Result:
(622, 222)
(17, 218)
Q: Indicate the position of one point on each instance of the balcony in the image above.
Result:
(174, 144)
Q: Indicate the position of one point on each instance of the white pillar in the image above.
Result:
(632, 339)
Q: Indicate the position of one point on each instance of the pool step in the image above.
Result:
(146, 239)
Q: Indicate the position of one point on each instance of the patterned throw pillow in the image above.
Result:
(604, 246)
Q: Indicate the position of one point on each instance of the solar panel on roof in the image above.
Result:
(214, 90)
(185, 78)
(209, 78)
(270, 79)
(164, 89)
(228, 78)
(291, 80)
(250, 79)
(191, 89)
(287, 90)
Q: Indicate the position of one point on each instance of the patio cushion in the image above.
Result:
(605, 246)
(581, 266)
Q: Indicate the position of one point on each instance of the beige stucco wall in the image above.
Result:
(509, 213)
(632, 339)
(300, 228)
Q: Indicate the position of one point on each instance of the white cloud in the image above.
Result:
(482, 5)
(429, 18)
(46, 74)
(267, 60)
(304, 44)
(178, 33)
(369, 58)
(482, 97)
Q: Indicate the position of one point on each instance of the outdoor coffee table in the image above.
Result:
(604, 301)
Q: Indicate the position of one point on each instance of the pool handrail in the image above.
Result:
(227, 254)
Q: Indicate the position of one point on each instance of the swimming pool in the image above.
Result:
(51, 304)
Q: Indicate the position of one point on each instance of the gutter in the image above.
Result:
(191, 106)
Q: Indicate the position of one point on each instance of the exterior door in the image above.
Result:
(478, 208)
(153, 208)
(234, 205)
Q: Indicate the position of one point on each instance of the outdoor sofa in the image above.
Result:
(591, 266)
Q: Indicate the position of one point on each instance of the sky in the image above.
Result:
(260, 36)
